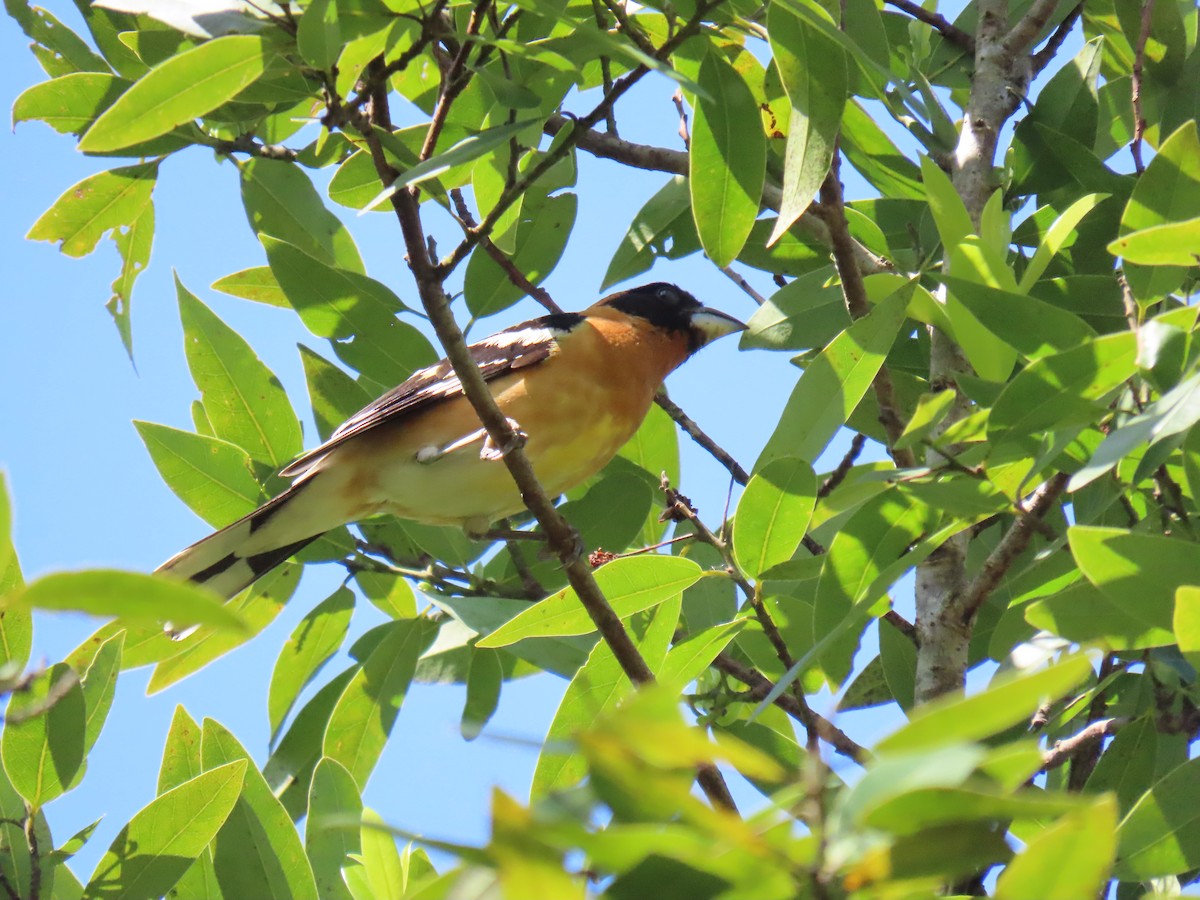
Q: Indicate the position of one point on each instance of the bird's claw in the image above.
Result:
(491, 452)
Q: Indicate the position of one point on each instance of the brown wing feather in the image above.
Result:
(514, 348)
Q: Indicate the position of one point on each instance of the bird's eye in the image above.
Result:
(665, 293)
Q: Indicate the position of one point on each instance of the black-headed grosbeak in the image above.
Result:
(577, 385)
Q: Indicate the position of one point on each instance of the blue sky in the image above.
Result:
(86, 495)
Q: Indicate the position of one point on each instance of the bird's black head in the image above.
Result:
(673, 309)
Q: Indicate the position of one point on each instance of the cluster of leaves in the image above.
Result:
(1066, 456)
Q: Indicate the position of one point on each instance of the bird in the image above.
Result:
(574, 385)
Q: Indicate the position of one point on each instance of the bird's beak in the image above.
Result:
(712, 324)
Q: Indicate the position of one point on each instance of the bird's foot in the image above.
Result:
(491, 452)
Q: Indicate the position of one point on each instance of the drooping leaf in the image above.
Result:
(99, 203)
(333, 795)
(727, 156)
(813, 70)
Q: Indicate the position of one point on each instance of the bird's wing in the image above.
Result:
(514, 348)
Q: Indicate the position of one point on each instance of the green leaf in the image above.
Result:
(181, 89)
(1032, 326)
(257, 284)
(598, 686)
(630, 584)
(99, 203)
(1161, 834)
(61, 49)
(931, 409)
(773, 514)
(1168, 192)
(866, 556)
(1174, 244)
(68, 104)
(257, 852)
(16, 625)
(1009, 699)
(366, 710)
(833, 384)
(1063, 389)
(466, 150)
(313, 641)
(44, 735)
(1057, 237)
(876, 157)
(99, 685)
(134, 243)
(539, 239)
(280, 200)
(212, 477)
(649, 232)
(355, 311)
(181, 752)
(256, 607)
(333, 795)
(133, 597)
(805, 313)
(1066, 860)
(483, 692)
(1140, 573)
(727, 160)
(689, 658)
(949, 213)
(151, 853)
(245, 402)
(1172, 414)
(813, 70)
(319, 34)
(1127, 765)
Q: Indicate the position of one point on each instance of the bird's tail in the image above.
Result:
(233, 558)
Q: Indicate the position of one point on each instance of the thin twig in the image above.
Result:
(610, 119)
(1139, 65)
(855, 292)
(741, 282)
(628, 28)
(502, 259)
(1014, 542)
(245, 143)
(901, 624)
(697, 434)
(838, 475)
(453, 81)
(938, 23)
(1067, 748)
(35, 856)
(685, 135)
(1043, 57)
(760, 686)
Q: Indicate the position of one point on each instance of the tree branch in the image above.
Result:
(855, 293)
(1025, 33)
(697, 434)
(1066, 749)
(1015, 540)
(1043, 57)
(1139, 65)
(938, 23)
(760, 686)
